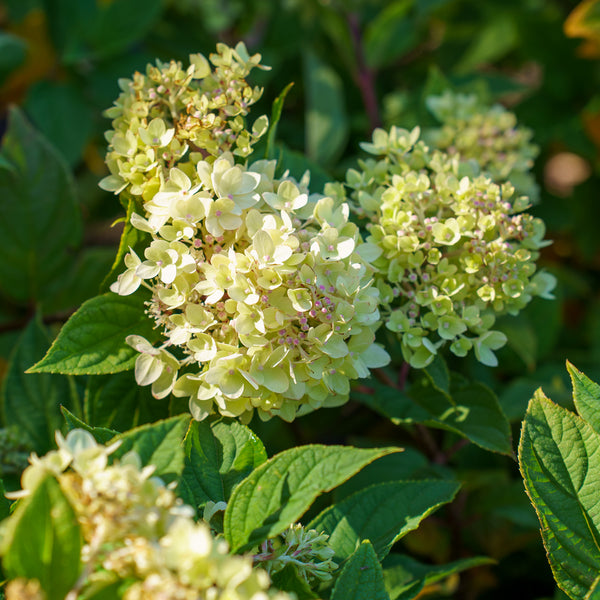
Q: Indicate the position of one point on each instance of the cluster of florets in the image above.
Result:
(306, 549)
(137, 531)
(260, 289)
(485, 137)
(169, 113)
(454, 252)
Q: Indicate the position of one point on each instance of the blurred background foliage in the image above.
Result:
(355, 65)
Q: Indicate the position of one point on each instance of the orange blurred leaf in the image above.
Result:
(584, 22)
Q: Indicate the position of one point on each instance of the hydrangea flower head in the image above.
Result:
(260, 309)
(487, 137)
(137, 532)
(453, 252)
(265, 300)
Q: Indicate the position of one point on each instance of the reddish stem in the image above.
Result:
(364, 75)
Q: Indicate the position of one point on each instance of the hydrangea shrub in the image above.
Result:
(245, 291)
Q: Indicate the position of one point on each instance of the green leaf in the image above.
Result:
(92, 341)
(478, 416)
(44, 541)
(559, 456)
(275, 116)
(438, 374)
(288, 580)
(280, 491)
(517, 393)
(408, 464)
(437, 83)
(502, 498)
(594, 593)
(107, 586)
(130, 238)
(219, 454)
(381, 513)
(17, 10)
(81, 282)
(326, 120)
(118, 402)
(472, 411)
(31, 401)
(390, 34)
(586, 396)
(67, 105)
(101, 434)
(87, 29)
(494, 40)
(361, 577)
(159, 444)
(521, 336)
(40, 221)
(405, 577)
(298, 164)
(13, 51)
(393, 404)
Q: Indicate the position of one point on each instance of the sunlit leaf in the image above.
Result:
(559, 455)
(277, 493)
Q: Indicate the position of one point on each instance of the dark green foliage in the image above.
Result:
(31, 401)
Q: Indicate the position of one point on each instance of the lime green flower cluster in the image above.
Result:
(306, 549)
(168, 114)
(137, 531)
(260, 288)
(454, 252)
(487, 137)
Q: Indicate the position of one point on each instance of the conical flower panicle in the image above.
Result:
(261, 290)
(452, 252)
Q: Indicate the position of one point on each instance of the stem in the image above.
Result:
(364, 75)
(456, 524)
(385, 378)
(431, 447)
(455, 448)
(403, 375)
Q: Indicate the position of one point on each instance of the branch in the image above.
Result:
(364, 75)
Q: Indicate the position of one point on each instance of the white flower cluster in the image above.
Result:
(261, 290)
(136, 531)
